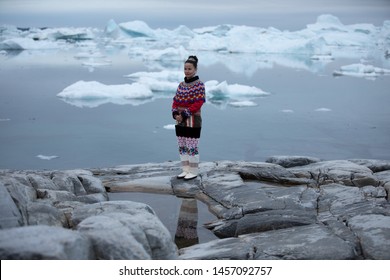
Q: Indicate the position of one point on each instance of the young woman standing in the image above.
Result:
(186, 110)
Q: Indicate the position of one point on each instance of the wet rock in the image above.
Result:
(185, 189)
(263, 221)
(292, 161)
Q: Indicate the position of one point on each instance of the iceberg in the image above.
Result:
(240, 48)
(92, 94)
(217, 90)
(136, 28)
(27, 44)
(148, 86)
(361, 70)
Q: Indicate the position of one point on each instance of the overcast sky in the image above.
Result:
(282, 14)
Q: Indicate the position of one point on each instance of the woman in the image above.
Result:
(188, 100)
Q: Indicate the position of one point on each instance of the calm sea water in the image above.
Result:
(34, 121)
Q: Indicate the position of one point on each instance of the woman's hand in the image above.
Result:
(179, 118)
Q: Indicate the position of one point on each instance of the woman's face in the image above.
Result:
(189, 70)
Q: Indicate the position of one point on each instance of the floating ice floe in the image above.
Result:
(169, 126)
(361, 70)
(244, 103)
(220, 93)
(323, 110)
(92, 94)
(47, 157)
(147, 86)
(217, 89)
(89, 55)
(97, 63)
(289, 111)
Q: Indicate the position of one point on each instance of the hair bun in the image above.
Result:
(193, 58)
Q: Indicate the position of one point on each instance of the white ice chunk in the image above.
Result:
(244, 103)
(169, 126)
(27, 44)
(137, 28)
(215, 88)
(92, 94)
(323, 110)
(93, 63)
(47, 157)
(361, 70)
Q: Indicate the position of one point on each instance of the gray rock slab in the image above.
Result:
(9, 213)
(20, 193)
(138, 214)
(223, 249)
(115, 236)
(91, 184)
(263, 221)
(44, 243)
(373, 164)
(43, 213)
(338, 171)
(343, 202)
(186, 189)
(373, 231)
(292, 161)
(312, 242)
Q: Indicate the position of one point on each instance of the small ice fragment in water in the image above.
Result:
(323, 110)
(169, 126)
(47, 157)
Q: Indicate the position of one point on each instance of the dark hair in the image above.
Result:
(193, 60)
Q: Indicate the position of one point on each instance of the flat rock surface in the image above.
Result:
(285, 208)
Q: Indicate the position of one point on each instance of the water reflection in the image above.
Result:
(186, 232)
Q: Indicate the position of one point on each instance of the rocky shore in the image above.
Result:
(284, 208)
